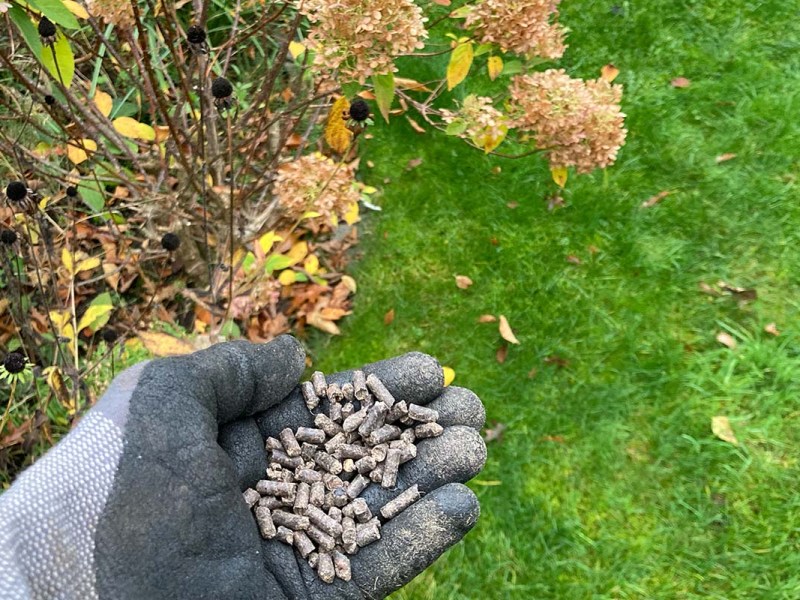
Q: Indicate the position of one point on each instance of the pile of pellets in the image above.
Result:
(310, 498)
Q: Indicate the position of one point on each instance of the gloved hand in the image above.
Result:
(143, 499)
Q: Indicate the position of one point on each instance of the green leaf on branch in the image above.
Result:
(27, 28)
(56, 12)
(277, 262)
(457, 127)
(92, 196)
(66, 60)
(97, 313)
(460, 62)
(483, 49)
(512, 67)
(384, 92)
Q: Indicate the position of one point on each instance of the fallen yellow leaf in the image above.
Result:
(463, 282)
(79, 151)
(721, 427)
(487, 319)
(103, 102)
(609, 73)
(505, 331)
(559, 175)
(163, 344)
(315, 320)
(726, 340)
(349, 283)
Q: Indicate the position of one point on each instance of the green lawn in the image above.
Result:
(608, 482)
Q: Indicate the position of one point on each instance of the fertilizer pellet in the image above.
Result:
(251, 496)
(309, 395)
(422, 414)
(325, 568)
(324, 541)
(394, 507)
(341, 565)
(289, 442)
(310, 435)
(301, 498)
(391, 465)
(303, 543)
(266, 526)
(369, 532)
(379, 390)
(319, 383)
(428, 430)
(317, 496)
(285, 535)
(275, 488)
(290, 520)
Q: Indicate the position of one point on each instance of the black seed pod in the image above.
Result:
(49, 100)
(196, 34)
(46, 28)
(14, 363)
(72, 191)
(109, 336)
(170, 242)
(8, 236)
(16, 191)
(359, 110)
(221, 88)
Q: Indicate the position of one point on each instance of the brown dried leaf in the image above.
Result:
(512, 205)
(414, 125)
(681, 82)
(315, 319)
(653, 200)
(505, 331)
(333, 314)
(463, 282)
(707, 289)
(725, 157)
(721, 427)
(609, 73)
(388, 317)
(772, 329)
(487, 319)
(571, 258)
(163, 344)
(413, 163)
(495, 432)
(726, 340)
(556, 360)
(501, 354)
(555, 201)
(740, 293)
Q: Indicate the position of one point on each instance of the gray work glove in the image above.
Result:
(143, 499)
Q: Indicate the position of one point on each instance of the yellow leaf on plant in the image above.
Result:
(266, 241)
(315, 320)
(609, 73)
(349, 283)
(721, 427)
(97, 313)
(103, 102)
(495, 67)
(287, 277)
(76, 9)
(163, 344)
(337, 135)
(559, 176)
(460, 62)
(505, 331)
(351, 216)
(56, 382)
(146, 132)
(311, 264)
(449, 375)
(298, 252)
(296, 49)
(78, 151)
(131, 128)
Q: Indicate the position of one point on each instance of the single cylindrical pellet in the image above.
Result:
(283, 459)
(408, 435)
(289, 442)
(423, 414)
(378, 452)
(407, 452)
(309, 395)
(394, 507)
(350, 547)
(369, 532)
(376, 475)
(285, 535)
(339, 497)
(319, 383)
(376, 386)
(270, 502)
(301, 498)
(266, 487)
(310, 435)
(397, 412)
(273, 444)
(428, 430)
(358, 485)
(361, 511)
(348, 465)
(334, 392)
(332, 444)
(307, 475)
(335, 513)
(341, 565)
(375, 418)
(348, 408)
(383, 434)
(325, 568)
(290, 520)
(323, 521)
(265, 524)
(353, 451)
(317, 496)
(329, 427)
(303, 543)
(348, 392)
(313, 559)
(275, 472)
(251, 496)
(332, 481)
(366, 464)
(355, 420)
(323, 540)
(348, 530)
(391, 466)
(360, 386)
(328, 462)
(335, 412)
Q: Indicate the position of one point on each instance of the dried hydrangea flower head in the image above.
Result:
(315, 182)
(521, 27)
(360, 38)
(479, 122)
(579, 123)
(112, 11)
